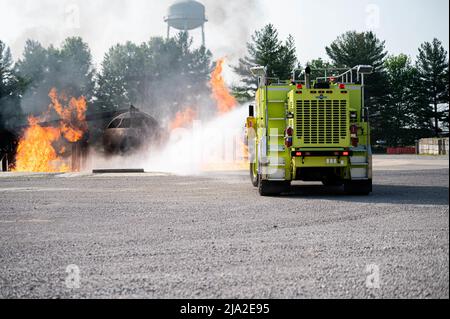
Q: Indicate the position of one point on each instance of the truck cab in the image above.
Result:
(310, 130)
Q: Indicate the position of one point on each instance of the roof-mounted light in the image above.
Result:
(365, 69)
(258, 71)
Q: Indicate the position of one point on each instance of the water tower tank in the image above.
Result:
(186, 15)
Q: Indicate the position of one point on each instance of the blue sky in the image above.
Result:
(404, 24)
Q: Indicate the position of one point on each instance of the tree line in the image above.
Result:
(161, 77)
(408, 100)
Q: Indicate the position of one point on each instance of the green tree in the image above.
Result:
(160, 76)
(398, 112)
(11, 87)
(432, 64)
(76, 62)
(265, 49)
(68, 69)
(355, 48)
(6, 71)
(122, 68)
(319, 64)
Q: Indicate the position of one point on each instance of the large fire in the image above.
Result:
(224, 100)
(229, 151)
(73, 123)
(220, 92)
(41, 149)
(225, 104)
(183, 119)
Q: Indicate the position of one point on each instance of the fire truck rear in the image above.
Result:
(310, 130)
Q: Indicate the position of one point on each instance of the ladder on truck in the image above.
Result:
(275, 99)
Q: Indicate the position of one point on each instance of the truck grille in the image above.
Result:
(322, 122)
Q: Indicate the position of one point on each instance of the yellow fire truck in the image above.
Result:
(310, 130)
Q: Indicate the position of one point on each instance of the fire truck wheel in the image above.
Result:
(254, 175)
(362, 188)
(267, 188)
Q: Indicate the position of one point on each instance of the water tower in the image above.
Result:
(186, 15)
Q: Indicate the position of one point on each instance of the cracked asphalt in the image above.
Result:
(212, 236)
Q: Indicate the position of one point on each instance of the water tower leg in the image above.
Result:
(203, 35)
(168, 31)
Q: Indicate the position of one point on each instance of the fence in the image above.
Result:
(434, 146)
(401, 150)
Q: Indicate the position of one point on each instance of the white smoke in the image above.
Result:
(217, 144)
(104, 23)
(212, 145)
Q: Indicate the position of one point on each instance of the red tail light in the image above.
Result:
(345, 153)
(342, 86)
(299, 86)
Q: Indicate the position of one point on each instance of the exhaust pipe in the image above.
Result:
(308, 77)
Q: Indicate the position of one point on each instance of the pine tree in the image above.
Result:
(11, 88)
(265, 49)
(160, 77)
(69, 69)
(432, 64)
(397, 113)
(353, 48)
(6, 75)
(122, 68)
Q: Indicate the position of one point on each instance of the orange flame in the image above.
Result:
(73, 117)
(36, 151)
(220, 92)
(183, 119)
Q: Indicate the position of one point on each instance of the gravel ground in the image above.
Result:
(212, 236)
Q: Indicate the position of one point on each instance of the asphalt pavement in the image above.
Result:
(157, 235)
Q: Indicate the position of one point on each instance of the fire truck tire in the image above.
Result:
(254, 175)
(362, 188)
(268, 188)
